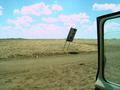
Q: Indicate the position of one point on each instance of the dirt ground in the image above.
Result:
(60, 72)
(46, 65)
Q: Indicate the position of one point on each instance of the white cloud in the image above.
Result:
(50, 19)
(111, 26)
(45, 27)
(16, 11)
(49, 26)
(1, 7)
(38, 9)
(73, 17)
(1, 10)
(50, 30)
(69, 20)
(106, 6)
(20, 21)
(88, 30)
(56, 7)
(34, 9)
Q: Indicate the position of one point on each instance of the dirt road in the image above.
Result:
(62, 72)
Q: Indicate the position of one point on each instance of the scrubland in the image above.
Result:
(46, 65)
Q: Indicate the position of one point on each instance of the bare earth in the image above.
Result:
(49, 72)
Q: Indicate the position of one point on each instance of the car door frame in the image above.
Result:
(101, 82)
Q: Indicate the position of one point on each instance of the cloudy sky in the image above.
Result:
(52, 18)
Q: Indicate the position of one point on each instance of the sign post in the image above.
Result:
(70, 36)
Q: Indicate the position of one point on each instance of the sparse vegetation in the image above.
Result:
(38, 48)
(46, 66)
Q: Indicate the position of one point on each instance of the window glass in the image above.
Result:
(112, 50)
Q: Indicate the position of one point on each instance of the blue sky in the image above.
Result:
(52, 18)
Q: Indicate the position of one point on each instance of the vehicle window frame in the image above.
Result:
(101, 82)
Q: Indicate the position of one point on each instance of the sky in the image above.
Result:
(52, 19)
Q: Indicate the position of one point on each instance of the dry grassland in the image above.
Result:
(44, 65)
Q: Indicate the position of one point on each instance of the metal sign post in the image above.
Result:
(70, 36)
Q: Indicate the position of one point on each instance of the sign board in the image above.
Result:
(71, 34)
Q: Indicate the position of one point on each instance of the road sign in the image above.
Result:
(71, 34)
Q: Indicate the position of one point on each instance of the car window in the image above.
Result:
(112, 50)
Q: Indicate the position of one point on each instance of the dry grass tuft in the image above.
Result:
(38, 48)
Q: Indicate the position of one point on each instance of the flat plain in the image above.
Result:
(47, 65)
